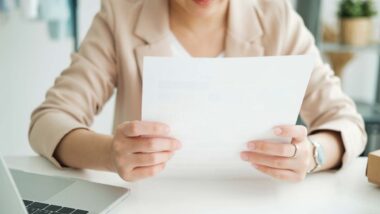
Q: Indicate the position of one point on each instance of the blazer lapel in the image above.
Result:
(160, 48)
(154, 29)
(244, 30)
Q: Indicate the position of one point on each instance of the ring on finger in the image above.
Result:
(295, 150)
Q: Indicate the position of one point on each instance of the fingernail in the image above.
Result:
(277, 131)
(251, 146)
(244, 156)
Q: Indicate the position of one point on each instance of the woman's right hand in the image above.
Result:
(141, 149)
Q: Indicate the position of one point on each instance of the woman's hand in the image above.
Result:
(141, 149)
(283, 161)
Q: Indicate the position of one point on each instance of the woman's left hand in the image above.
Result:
(282, 160)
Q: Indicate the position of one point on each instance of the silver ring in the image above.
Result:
(295, 150)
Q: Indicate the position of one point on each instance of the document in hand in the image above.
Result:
(214, 106)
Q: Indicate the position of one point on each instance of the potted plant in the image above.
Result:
(356, 21)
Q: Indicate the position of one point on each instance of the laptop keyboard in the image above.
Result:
(41, 208)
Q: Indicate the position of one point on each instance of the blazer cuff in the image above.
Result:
(49, 130)
(354, 139)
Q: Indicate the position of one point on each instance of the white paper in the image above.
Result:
(214, 106)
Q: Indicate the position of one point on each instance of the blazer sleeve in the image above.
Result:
(80, 92)
(325, 106)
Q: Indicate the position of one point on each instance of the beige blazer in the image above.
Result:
(125, 31)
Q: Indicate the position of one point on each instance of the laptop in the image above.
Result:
(22, 192)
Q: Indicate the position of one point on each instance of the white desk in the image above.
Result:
(346, 191)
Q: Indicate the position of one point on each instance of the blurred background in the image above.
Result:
(38, 36)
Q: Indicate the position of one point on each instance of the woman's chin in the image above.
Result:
(204, 3)
(205, 8)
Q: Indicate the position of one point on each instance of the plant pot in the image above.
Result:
(356, 31)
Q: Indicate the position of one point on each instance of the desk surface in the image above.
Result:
(346, 191)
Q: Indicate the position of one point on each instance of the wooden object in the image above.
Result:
(356, 31)
(373, 167)
(339, 60)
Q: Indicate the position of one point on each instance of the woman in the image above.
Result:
(111, 57)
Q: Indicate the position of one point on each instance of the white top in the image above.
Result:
(179, 51)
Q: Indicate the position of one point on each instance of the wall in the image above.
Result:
(29, 63)
(360, 76)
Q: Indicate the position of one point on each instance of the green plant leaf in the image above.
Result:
(357, 8)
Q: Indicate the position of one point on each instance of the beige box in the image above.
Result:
(373, 167)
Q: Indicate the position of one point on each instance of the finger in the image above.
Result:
(151, 159)
(270, 161)
(145, 172)
(147, 145)
(270, 148)
(281, 174)
(298, 133)
(141, 128)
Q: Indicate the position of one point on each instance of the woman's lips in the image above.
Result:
(203, 2)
